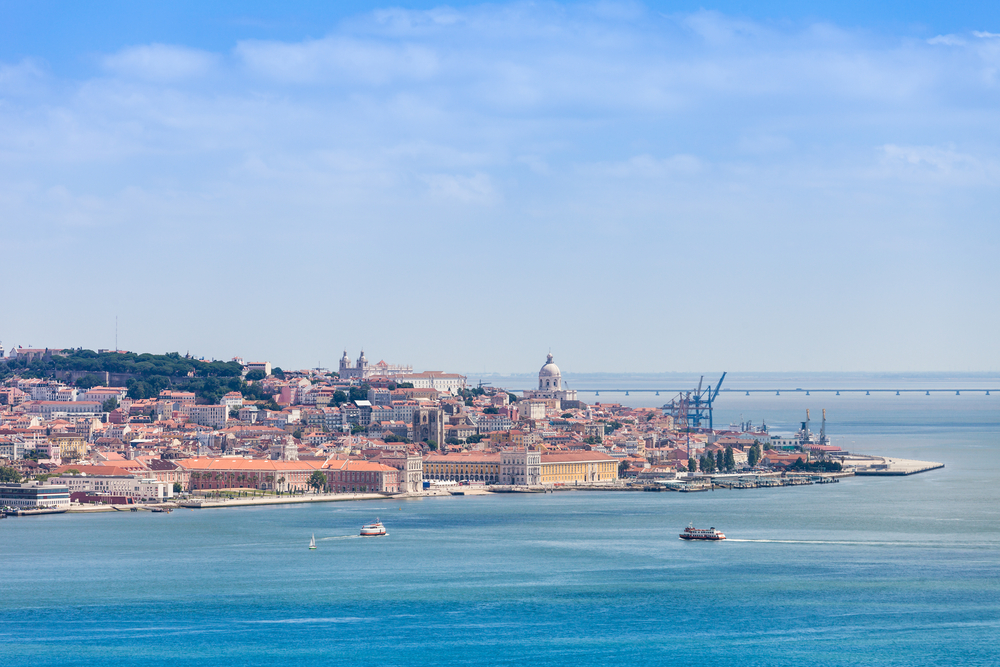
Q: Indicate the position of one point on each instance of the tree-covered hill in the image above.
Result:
(149, 373)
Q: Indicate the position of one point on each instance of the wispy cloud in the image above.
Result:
(160, 62)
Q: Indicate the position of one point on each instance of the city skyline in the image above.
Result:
(635, 187)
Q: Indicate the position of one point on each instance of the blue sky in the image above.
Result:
(639, 187)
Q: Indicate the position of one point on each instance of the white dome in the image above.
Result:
(549, 369)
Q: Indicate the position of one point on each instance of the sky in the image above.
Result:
(637, 187)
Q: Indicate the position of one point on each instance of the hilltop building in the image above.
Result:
(363, 370)
(550, 386)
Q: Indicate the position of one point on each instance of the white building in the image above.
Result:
(233, 399)
(259, 366)
(63, 409)
(101, 394)
(550, 385)
(213, 416)
(122, 486)
(446, 382)
(521, 467)
(30, 495)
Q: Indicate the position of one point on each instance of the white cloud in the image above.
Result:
(941, 163)
(947, 40)
(647, 166)
(160, 62)
(475, 189)
(23, 78)
(337, 59)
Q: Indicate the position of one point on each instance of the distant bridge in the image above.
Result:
(798, 390)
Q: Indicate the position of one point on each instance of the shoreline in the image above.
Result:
(854, 465)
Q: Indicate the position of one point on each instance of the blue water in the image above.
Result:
(866, 572)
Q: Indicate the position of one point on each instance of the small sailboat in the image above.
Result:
(312, 542)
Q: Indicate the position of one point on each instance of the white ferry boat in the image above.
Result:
(692, 533)
(373, 529)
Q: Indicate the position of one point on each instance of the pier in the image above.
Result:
(883, 466)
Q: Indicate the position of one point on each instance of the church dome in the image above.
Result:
(549, 369)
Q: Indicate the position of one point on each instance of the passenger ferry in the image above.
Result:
(692, 533)
(373, 529)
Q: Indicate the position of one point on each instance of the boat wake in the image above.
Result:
(340, 537)
(736, 539)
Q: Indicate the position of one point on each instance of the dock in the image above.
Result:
(884, 466)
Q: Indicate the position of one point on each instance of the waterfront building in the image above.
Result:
(471, 465)
(584, 467)
(520, 467)
(31, 495)
(117, 487)
(353, 476)
(238, 473)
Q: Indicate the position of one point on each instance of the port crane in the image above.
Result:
(690, 408)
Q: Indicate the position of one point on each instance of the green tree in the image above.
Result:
(567, 415)
(359, 393)
(317, 480)
(729, 459)
(432, 445)
(753, 456)
(692, 465)
(297, 434)
(491, 411)
(405, 385)
(622, 469)
(8, 474)
(512, 398)
(89, 381)
(720, 460)
(178, 487)
(278, 373)
(109, 405)
(255, 375)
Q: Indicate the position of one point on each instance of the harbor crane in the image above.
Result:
(690, 408)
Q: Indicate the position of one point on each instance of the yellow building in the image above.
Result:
(473, 466)
(71, 445)
(578, 467)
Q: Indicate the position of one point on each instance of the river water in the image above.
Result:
(870, 571)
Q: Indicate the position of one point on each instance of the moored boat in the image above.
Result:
(692, 533)
(373, 529)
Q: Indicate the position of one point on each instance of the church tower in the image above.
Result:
(362, 366)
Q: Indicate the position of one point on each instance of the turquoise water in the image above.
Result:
(866, 572)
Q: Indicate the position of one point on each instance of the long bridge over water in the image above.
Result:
(777, 391)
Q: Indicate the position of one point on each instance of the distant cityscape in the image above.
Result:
(83, 429)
